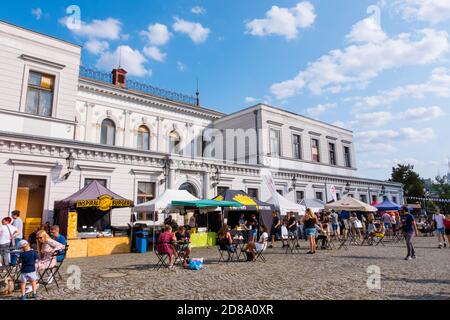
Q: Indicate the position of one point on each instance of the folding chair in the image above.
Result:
(51, 274)
(380, 237)
(260, 254)
(223, 248)
(162, 260)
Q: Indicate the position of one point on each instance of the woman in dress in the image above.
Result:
(46, 248)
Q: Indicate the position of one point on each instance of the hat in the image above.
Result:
(23, 243)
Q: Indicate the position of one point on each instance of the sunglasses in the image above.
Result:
(40, 238)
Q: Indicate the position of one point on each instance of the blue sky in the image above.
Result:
(383, 73)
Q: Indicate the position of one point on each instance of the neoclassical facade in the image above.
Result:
(64, 125)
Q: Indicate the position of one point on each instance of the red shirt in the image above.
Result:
(447, 224)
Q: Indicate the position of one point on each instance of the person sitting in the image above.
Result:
(378, 232)
(46, 248)
(356, 225)
(184, 239)
(165, 244)
(58, 238)
(225, 240)
(324, 232)
(253, 248)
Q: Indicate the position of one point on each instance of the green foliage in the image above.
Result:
(413, 184)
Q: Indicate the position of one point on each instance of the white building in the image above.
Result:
(123, 133)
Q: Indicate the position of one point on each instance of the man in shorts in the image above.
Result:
(275, 231)
(438, 221)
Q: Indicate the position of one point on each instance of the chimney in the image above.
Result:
(120, 77)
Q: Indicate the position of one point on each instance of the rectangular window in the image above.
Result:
(338, 196)
(247, 150)
(40, 94)
(374, 199)
(222, 190)
(299, 195)
(319, 196)
(274, 136)
(280, 192)
(332, 150)
(102, 182)
(394, 199)
(315, 151)
(145, 192)
(297, 145)
(348, 162)
(253, 192)
(363, 198)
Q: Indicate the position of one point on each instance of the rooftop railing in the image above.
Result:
(138, 86)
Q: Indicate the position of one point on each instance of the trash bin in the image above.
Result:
(141, 241)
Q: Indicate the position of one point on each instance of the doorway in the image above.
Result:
(30, 201)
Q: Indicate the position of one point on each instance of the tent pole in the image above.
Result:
(153, 242)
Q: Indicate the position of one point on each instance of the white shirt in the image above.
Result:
(261, 245)
(6, 231)
(18, 223)
(439, 219)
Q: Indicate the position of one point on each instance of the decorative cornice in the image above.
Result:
(331, 138)
(148, 172)
(296, 129)
(278, 124)
(41, 164)
(83, 167)
(314, 133)
(346, 141)
(42, 61)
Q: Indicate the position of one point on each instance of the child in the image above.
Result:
(28, 269)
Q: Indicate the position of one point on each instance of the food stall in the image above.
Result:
(206, 237)
(248, 206)
(284, 205)
(85, 219)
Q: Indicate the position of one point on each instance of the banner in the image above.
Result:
(266, 175)
(333, 192)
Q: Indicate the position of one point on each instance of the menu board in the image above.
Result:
(72, 225)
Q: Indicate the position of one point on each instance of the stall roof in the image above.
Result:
(92, 191)
(247, 203)
(350, 204)
(388, 205)
(285, 205)
(314, 204)
(164, 201)
(206, 204)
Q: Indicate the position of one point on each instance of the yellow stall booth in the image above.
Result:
(85, 219)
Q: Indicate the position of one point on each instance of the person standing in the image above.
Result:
(410, 229)
(438, 221)
(276, 228)
(7, 235)
(334, 221)
(447, 227)
(28, 260)
(309, 221)
(18, 223)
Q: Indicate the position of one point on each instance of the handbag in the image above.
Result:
(358, 224)
(12, 242)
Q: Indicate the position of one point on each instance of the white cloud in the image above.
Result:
(194, 30)
(181, 66)
(357, 64)
(320, 109)
(374, 119)
(437, 84)
(250, 100)
(96, 46)
(376, 147)
(108, 29)
(389, 163)
(37, 13)
(367, 30)
(198, 10)
(284, 22)
(132, 60)
(157, 34)
(432, 11)
(403, 135)
(155, 54)
(422, 113)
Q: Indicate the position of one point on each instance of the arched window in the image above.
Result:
(189, 188)
(174, 143)
(108, 132)
(143, 138)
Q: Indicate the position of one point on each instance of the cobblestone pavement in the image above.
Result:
(329, 274)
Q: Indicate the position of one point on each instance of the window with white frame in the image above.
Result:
(274, 137)
(108, 134)
(297, 146)
(40, 94)
(315, 151)
(145, 191)
(299, 196)
(143, 138)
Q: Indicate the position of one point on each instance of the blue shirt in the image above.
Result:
(345, 215)
(409, 223)
(63, 241)
(28, 260)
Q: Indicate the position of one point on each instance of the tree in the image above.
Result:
(413, 184)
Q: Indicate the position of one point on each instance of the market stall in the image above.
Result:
(284, 205)
(388, 205)
(85, 219)
(209, 207)
(249, 206)
(152, 214)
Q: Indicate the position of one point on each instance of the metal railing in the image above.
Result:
(138, 86)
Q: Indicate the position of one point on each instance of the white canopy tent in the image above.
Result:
(285, 205)
(313, 204)
(350, 204)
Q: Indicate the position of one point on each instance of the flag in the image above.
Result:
(266, 175)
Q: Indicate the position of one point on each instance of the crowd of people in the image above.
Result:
(33, 255)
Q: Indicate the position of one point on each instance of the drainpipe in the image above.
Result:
(257, 137)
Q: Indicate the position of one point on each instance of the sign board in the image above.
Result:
(103, 203)
(72, 225)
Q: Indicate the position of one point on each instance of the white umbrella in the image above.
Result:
(285, 205)
(350, 204)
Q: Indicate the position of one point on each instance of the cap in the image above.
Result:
(23, 243)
